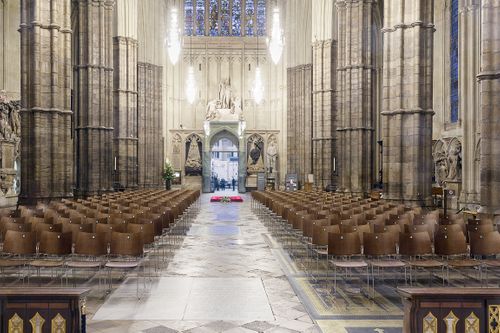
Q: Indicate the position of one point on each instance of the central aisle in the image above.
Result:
(224, 278)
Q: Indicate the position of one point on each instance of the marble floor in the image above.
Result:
(228, 275)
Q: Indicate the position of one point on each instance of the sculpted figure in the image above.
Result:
(272, 153)
(455, 161)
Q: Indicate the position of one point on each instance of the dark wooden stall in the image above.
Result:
(41, 310)
(436, 310)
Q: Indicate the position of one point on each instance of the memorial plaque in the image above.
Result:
(261, 181)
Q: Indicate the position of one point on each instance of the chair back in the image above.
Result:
(126, 244)
(484, 244)
(320, 234)
(18, 242)
(415, 244)
(450, 243)
(379, 244)
(91, 244)
(146, 230)
(56, 243)
(344, 244)
(41, 227)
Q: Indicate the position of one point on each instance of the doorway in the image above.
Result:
(224, 165)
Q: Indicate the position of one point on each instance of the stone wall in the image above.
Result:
(299, 121)
(150, 125)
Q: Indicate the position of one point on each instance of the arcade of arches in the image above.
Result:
(377, 115)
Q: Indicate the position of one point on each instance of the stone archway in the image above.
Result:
(217, 131)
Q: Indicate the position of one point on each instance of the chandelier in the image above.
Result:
(174, 37)
(277, 40)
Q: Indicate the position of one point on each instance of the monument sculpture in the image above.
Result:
(10, 135)
(227, 106)
(193, 165)
(255, 162)
(272, 153)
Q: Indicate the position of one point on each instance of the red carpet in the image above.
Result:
(234, 198)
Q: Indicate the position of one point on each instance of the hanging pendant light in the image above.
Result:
(258, 85)
(174, 37)
(276, 42)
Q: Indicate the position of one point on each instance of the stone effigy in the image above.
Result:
(227, 106)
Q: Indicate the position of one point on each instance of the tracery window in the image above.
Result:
(454, 62)
(225, 17)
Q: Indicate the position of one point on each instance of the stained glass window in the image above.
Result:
(236, 19)
(200, 17)
(188, 17)
(225, 17)
(454, 62)
(214, 18)
(249, 17)
(261, 17)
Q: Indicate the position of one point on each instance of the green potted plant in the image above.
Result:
(168, 175)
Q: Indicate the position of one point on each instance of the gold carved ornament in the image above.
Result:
(58, 324)
(430, 323)
(37, 322)
(16, 324)
(451, 322)
(472, 323)
(494, 319)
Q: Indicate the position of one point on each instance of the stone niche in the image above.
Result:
(447, 156)
(10, 132)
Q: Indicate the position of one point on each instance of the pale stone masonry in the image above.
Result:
(46, 148)
(94, 97)
(489, 78)
(324, 115)
(149, 124)
(299, 131)
(407, 100)
(125, 112)
(356, 94)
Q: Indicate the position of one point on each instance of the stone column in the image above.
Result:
(407, 100)
(94, 96)
(324, 115)
(46, 149)
(149, 124)
(489, 80)
(299, 144)
(469, 66)
(357, 84)
(125, 94)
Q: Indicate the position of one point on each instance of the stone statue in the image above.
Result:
(455, 161)
(272, 154)
(441, 170)
(226, 107)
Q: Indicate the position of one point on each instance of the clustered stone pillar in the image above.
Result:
(469, 66)
(299, 132)
(356, 99)
(94, 98)
(150, 125)
(324, 54)
(407, 100)
(489, 79)
(125, 112)
(46, 148)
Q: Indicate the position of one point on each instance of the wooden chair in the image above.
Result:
(484, 246)
(90, 253)
(127, 249)
(452, 244)
(417, 247)
(345, 245)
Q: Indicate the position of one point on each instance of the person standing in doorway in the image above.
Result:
(233, 182)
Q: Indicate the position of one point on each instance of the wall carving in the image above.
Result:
(255, 151)
(272, 153)
(447, 156)
(193, 164)
(10, 133)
